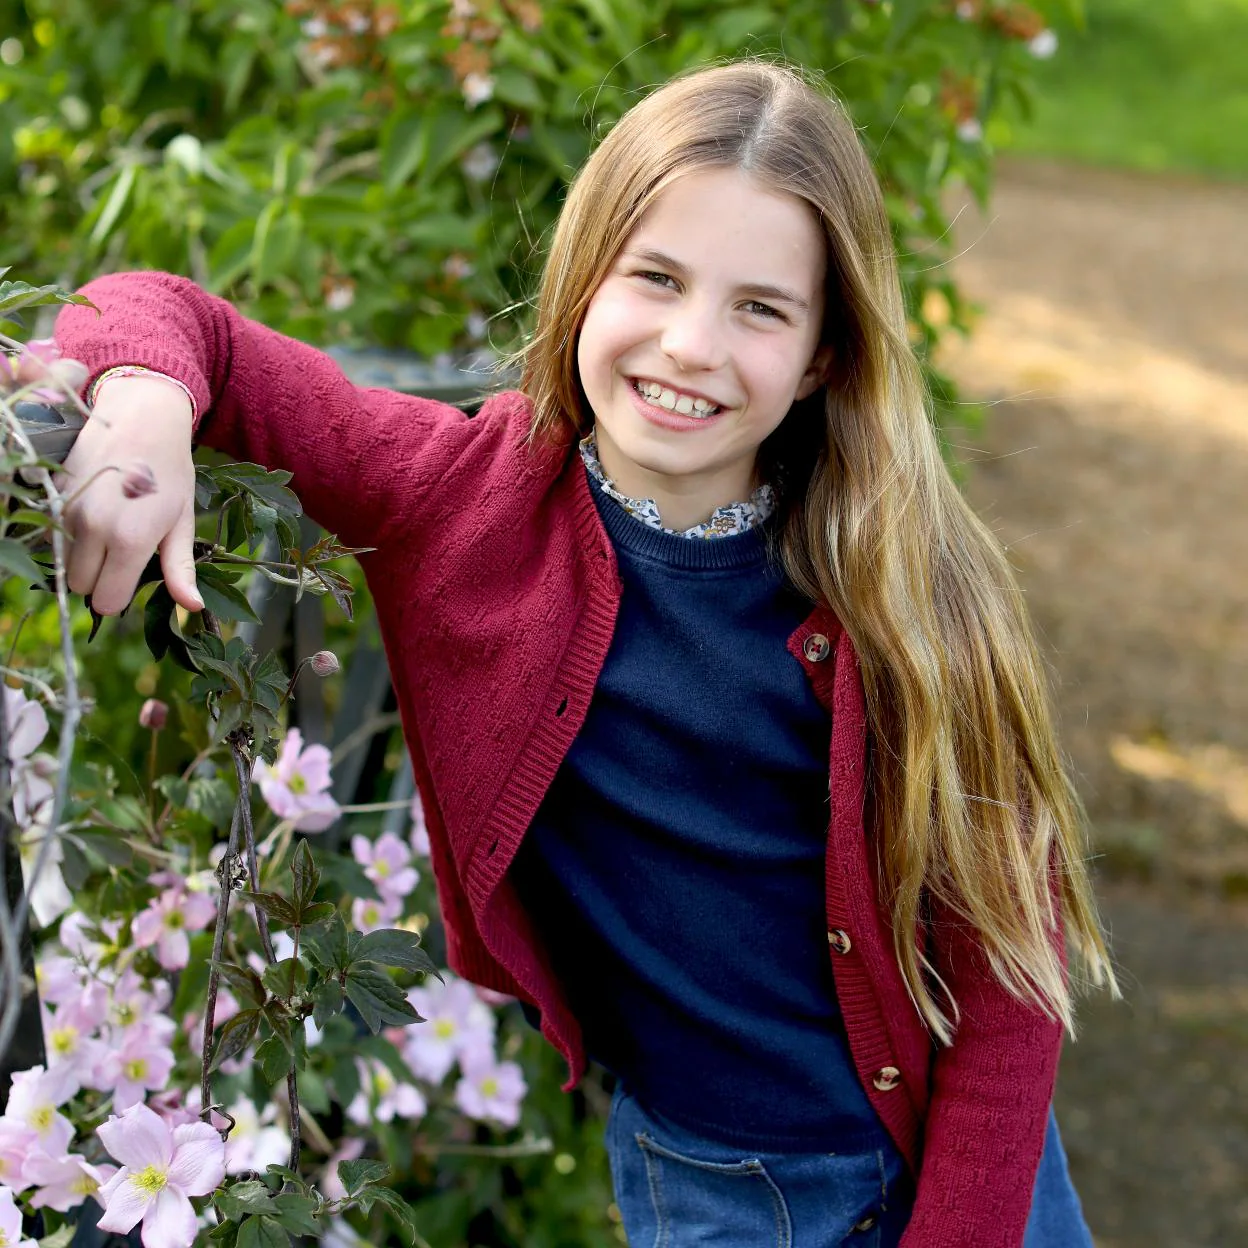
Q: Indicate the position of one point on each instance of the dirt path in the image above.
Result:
(1114, 349)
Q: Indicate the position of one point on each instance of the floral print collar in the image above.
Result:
(726, 522)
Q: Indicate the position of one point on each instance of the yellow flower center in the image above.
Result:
(174, 919)
(297, 785)
(64, 1039)
(135, 1068)
(153, 1180)
(443, 1028)
(42, 1118)
(489, 1087)
(4, 1239)
(84, 1186)
(382, 867)
(125, 1014)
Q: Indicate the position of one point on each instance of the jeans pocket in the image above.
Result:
(728, 1204)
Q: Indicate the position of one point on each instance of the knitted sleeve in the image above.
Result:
(361, 457)
(990, 1096)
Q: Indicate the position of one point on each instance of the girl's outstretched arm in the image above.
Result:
(359, 456)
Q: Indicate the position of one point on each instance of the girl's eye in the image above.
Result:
(765, 310)
(658, 279)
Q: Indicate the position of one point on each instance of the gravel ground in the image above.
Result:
(1113, 348)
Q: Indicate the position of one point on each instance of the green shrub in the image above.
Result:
(386, 173)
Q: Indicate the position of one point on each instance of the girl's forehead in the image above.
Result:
(727, 220)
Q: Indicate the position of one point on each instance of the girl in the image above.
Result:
(730, 729)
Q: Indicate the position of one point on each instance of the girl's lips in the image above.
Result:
(660, 416)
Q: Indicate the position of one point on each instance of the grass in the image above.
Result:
(1158, 85)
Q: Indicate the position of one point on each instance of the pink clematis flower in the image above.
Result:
(142, 1063)
(296, 786)
(382, 1097)
(458, 1025)
(387, 861)
(17, 1143)
(491, 1091)
(161, 1169)
(370, 913)
(256, 1141)
(420, 831)
(41, 360)
(70, 1031)
(167, 920)
(33, 1101)
(11, 1222)
(64, 1182)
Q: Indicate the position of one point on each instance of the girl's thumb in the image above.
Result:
(177, 562)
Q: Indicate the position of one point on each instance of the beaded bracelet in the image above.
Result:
(138, 370)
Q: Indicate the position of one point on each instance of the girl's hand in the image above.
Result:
(130, 484)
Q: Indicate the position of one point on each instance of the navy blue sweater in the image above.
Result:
(675, 869)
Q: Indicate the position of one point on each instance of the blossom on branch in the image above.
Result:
(11, 1222)
(166, 921)
(296, 787)
(161, 1169)
(491, 1091)
(387, 861)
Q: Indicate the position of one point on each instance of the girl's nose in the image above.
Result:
(692, 338)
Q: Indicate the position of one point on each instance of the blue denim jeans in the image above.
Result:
(675, 1189)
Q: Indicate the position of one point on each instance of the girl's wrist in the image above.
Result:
(136, 379)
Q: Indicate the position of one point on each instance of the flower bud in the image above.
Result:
(324, 663)
(153, 714)
(138, 481)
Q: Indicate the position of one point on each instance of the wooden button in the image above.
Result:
(816, 647)
(839, 940)
(886, 1078)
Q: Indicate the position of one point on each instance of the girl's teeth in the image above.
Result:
(673, 402)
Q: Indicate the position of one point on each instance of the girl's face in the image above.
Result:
(701, 337)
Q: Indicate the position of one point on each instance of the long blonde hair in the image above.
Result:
(973, 808)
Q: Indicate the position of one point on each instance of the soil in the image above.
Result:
(1112, 351)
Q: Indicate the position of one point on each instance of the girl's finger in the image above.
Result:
(86, 555)
(177, 561)
(118, 578)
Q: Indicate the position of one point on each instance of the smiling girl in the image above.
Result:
(731, 733)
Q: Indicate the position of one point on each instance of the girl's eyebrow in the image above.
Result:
(755, 290)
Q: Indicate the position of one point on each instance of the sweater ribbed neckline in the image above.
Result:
(627, 533)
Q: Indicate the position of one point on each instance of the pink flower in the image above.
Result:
(153, 714)
(387, 862)
(63, 1182)
(161, 1168)
(370, 913)
(382, 1097)
(70, 1033)
(491, 1091)
(420, 833)
(41, 360)
(11, 1222)
(33, 1100)
(143, 1063)
(324, 663)
(60, 979)
(136, 1003)
(17, 1143)
(254, 1143)
(166, 921)
(27, 724)
(296, 786)
(138, 481)
(457, 1026)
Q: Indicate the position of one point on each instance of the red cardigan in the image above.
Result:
(496, 592)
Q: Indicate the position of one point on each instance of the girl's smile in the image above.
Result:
(701, 337)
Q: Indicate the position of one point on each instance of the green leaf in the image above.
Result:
(279, 910)
(158, 623)
(262, 1232)
(379, 1000)
(326, 1002)
(15, 559)
(392, 946)
(355, 1175)
(243, 982)
(395, 1204)
(230, 256)
(273, 1060)
(404, 146)
(326, 944)
(265, 485)
(60, 1238)
(276, 243)
(243, 1198)
(285, 978)
(306, 875)
(221, 596)
(297, 1214)
(113, 206)
(235, 1036)
(318, 911)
